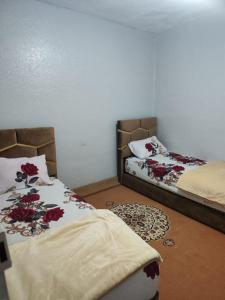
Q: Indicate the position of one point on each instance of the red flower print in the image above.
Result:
(149, 147)
(22, 214)
(29, 169)
(30, 198)
(183, 160)
(152, 270)
(78, 198)
(179, 157)
(187, 159)
(173, 154)
(53, 214)
(160, 171)
(178, 168)
(151, 162)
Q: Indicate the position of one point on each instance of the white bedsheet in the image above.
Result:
(56, 194)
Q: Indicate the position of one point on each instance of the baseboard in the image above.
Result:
(96, 187)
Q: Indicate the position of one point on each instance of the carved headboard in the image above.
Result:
(28, 142)
(132, 130)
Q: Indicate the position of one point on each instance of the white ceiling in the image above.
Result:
(148, 15)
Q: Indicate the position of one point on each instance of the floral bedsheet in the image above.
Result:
(162, 170)
(30, 211)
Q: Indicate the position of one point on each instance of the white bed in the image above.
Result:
(33, 211)
(137, 286)
(138, 167)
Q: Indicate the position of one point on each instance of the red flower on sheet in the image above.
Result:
(151, 162)
(179, 158)
(29, 169)
(149, 147)
(187, 159)
(183, 160)
(29, 209)
(78, 198)
(22, 214)
(30, 198)
(160, 171)
(178, 168)
(152, 270)
(53, 214)
(173, 154)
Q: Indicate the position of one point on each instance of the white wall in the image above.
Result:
(78, 74)
(191, 88)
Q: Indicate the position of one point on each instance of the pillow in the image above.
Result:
(147, 147)
(23, 172)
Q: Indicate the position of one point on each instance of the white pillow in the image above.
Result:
(23, 172)
(147, 147)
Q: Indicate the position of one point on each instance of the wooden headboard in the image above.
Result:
(131, 130)
(28, 142)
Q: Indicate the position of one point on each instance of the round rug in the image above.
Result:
(149, 222)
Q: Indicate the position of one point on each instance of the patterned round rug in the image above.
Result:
(149, 222)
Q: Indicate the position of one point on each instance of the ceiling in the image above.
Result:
(147, 15)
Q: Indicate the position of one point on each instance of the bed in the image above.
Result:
(138, 174)
(53, 208)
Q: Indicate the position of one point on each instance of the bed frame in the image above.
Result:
(131, 130)
(28, 142)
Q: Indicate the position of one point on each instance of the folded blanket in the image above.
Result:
(207, 181)
(82, 260)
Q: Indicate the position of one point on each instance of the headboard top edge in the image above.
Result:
(28, 142)
(132, 130)
(138, 119)
(27, 128)
(134, 124)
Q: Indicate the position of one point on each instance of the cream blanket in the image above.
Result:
(82, 260)
(207, 181)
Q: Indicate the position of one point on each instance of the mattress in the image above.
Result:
(53, 206)
(165, 170)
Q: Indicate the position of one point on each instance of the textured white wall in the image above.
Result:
(191, 88)
(78, 74)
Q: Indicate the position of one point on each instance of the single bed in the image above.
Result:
(67, 206)
(140, 175)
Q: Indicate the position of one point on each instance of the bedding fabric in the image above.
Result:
(147, 147)
(68, 274)
(207, 182)
(22, 172)
(51, 207)
(165, 171)
(31, 211)
(162, 170)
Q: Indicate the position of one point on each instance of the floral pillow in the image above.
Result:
(23, 172)
(147, 147)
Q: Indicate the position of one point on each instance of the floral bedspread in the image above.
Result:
(163, 170)
(33, 210)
